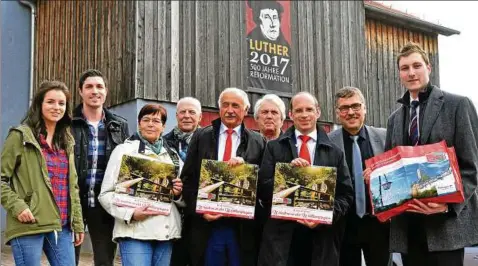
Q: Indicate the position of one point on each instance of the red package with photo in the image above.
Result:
(428, 173)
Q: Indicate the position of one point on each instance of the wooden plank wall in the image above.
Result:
(72, 36)
(384, 42)
(198, 48)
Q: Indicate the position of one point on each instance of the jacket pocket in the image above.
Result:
(116, 136)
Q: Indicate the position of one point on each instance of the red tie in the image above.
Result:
(228, 148)
(304, 151)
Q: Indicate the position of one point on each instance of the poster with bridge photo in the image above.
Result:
(304, 193)
(429, 173)
(226, 190)
(143, 180)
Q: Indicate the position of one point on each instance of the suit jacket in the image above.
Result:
(278, 233)
(204, 145)
(451, 118)
(376, 135)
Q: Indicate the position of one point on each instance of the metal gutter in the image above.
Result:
(32, 45)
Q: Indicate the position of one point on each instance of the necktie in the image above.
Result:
(358, 177)
(413, 130)
(228, 148)
(304, 151)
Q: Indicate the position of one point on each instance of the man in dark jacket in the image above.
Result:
(213, 239)
(97, 131)
(434, 233)
(188, 116)
(303, 144)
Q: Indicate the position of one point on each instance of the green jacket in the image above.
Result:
(25, 184)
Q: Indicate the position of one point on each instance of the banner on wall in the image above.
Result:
(268, 45)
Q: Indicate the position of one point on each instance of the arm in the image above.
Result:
(265, 182)
(466, 147)
(107, 193)
(190, 175)
(11, 158)
(77, 216)
(344, 191)
(388, 138)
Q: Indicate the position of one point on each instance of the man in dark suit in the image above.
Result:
(360, 142)
(434, 233)
(303, 144)
(213, 239)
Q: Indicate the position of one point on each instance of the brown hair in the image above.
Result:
(347, 92)
(153, 108)
(34, 118)
(411, 48)
(90, 73)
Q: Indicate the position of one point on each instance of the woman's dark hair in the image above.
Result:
(153, 108)
(34, 118)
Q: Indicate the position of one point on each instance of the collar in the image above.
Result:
(362, 133)
(322, 138)
(422, 96)
(223, 129)
(312, 135)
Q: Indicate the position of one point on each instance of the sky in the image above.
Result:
(458, 54)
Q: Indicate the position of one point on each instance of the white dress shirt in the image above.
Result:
(310, 144)
(236, 140)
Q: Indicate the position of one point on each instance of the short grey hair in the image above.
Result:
(193, 101)
(237, 92)
(273, 99)
(348, 92)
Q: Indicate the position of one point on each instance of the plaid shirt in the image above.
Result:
(57, 165)
(96, 159)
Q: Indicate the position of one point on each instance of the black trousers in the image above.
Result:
(418, 253)
(100, 227)
(369, 235)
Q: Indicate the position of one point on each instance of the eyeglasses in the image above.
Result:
(345, 108)
(156, 121)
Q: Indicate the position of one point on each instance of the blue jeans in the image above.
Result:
(222, 246)
(136, 252)
(27, 250)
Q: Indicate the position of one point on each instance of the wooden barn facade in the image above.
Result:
(165, 50)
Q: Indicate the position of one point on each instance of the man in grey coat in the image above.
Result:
(363, 232)
(434, 233)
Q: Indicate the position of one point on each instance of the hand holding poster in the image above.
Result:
(427, 172)
(227, 190)
(268, 45)
(304, 193)
(144, 181)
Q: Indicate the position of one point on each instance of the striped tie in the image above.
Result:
(413, 130)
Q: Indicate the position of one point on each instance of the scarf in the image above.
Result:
(155, 147)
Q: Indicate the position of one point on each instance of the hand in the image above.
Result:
(366, 175)
(427, 209)
(299, 162)
(177, 186)
(311, 225)
(142, 213)
(235, 161)
(79, 237)
(212, 217)
(26, 216)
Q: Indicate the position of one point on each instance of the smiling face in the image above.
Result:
(93, 92)
(304, 113)
(270, 23)
(150, 126)
(188, 116)
(414, 73)
(53, 106)
(232, 109)
(351, 113)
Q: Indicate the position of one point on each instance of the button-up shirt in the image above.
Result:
(236, 140)
(310, 144)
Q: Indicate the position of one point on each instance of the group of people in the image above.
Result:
(59, 168)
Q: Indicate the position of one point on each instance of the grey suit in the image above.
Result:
(451, 118)
(365, 234)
